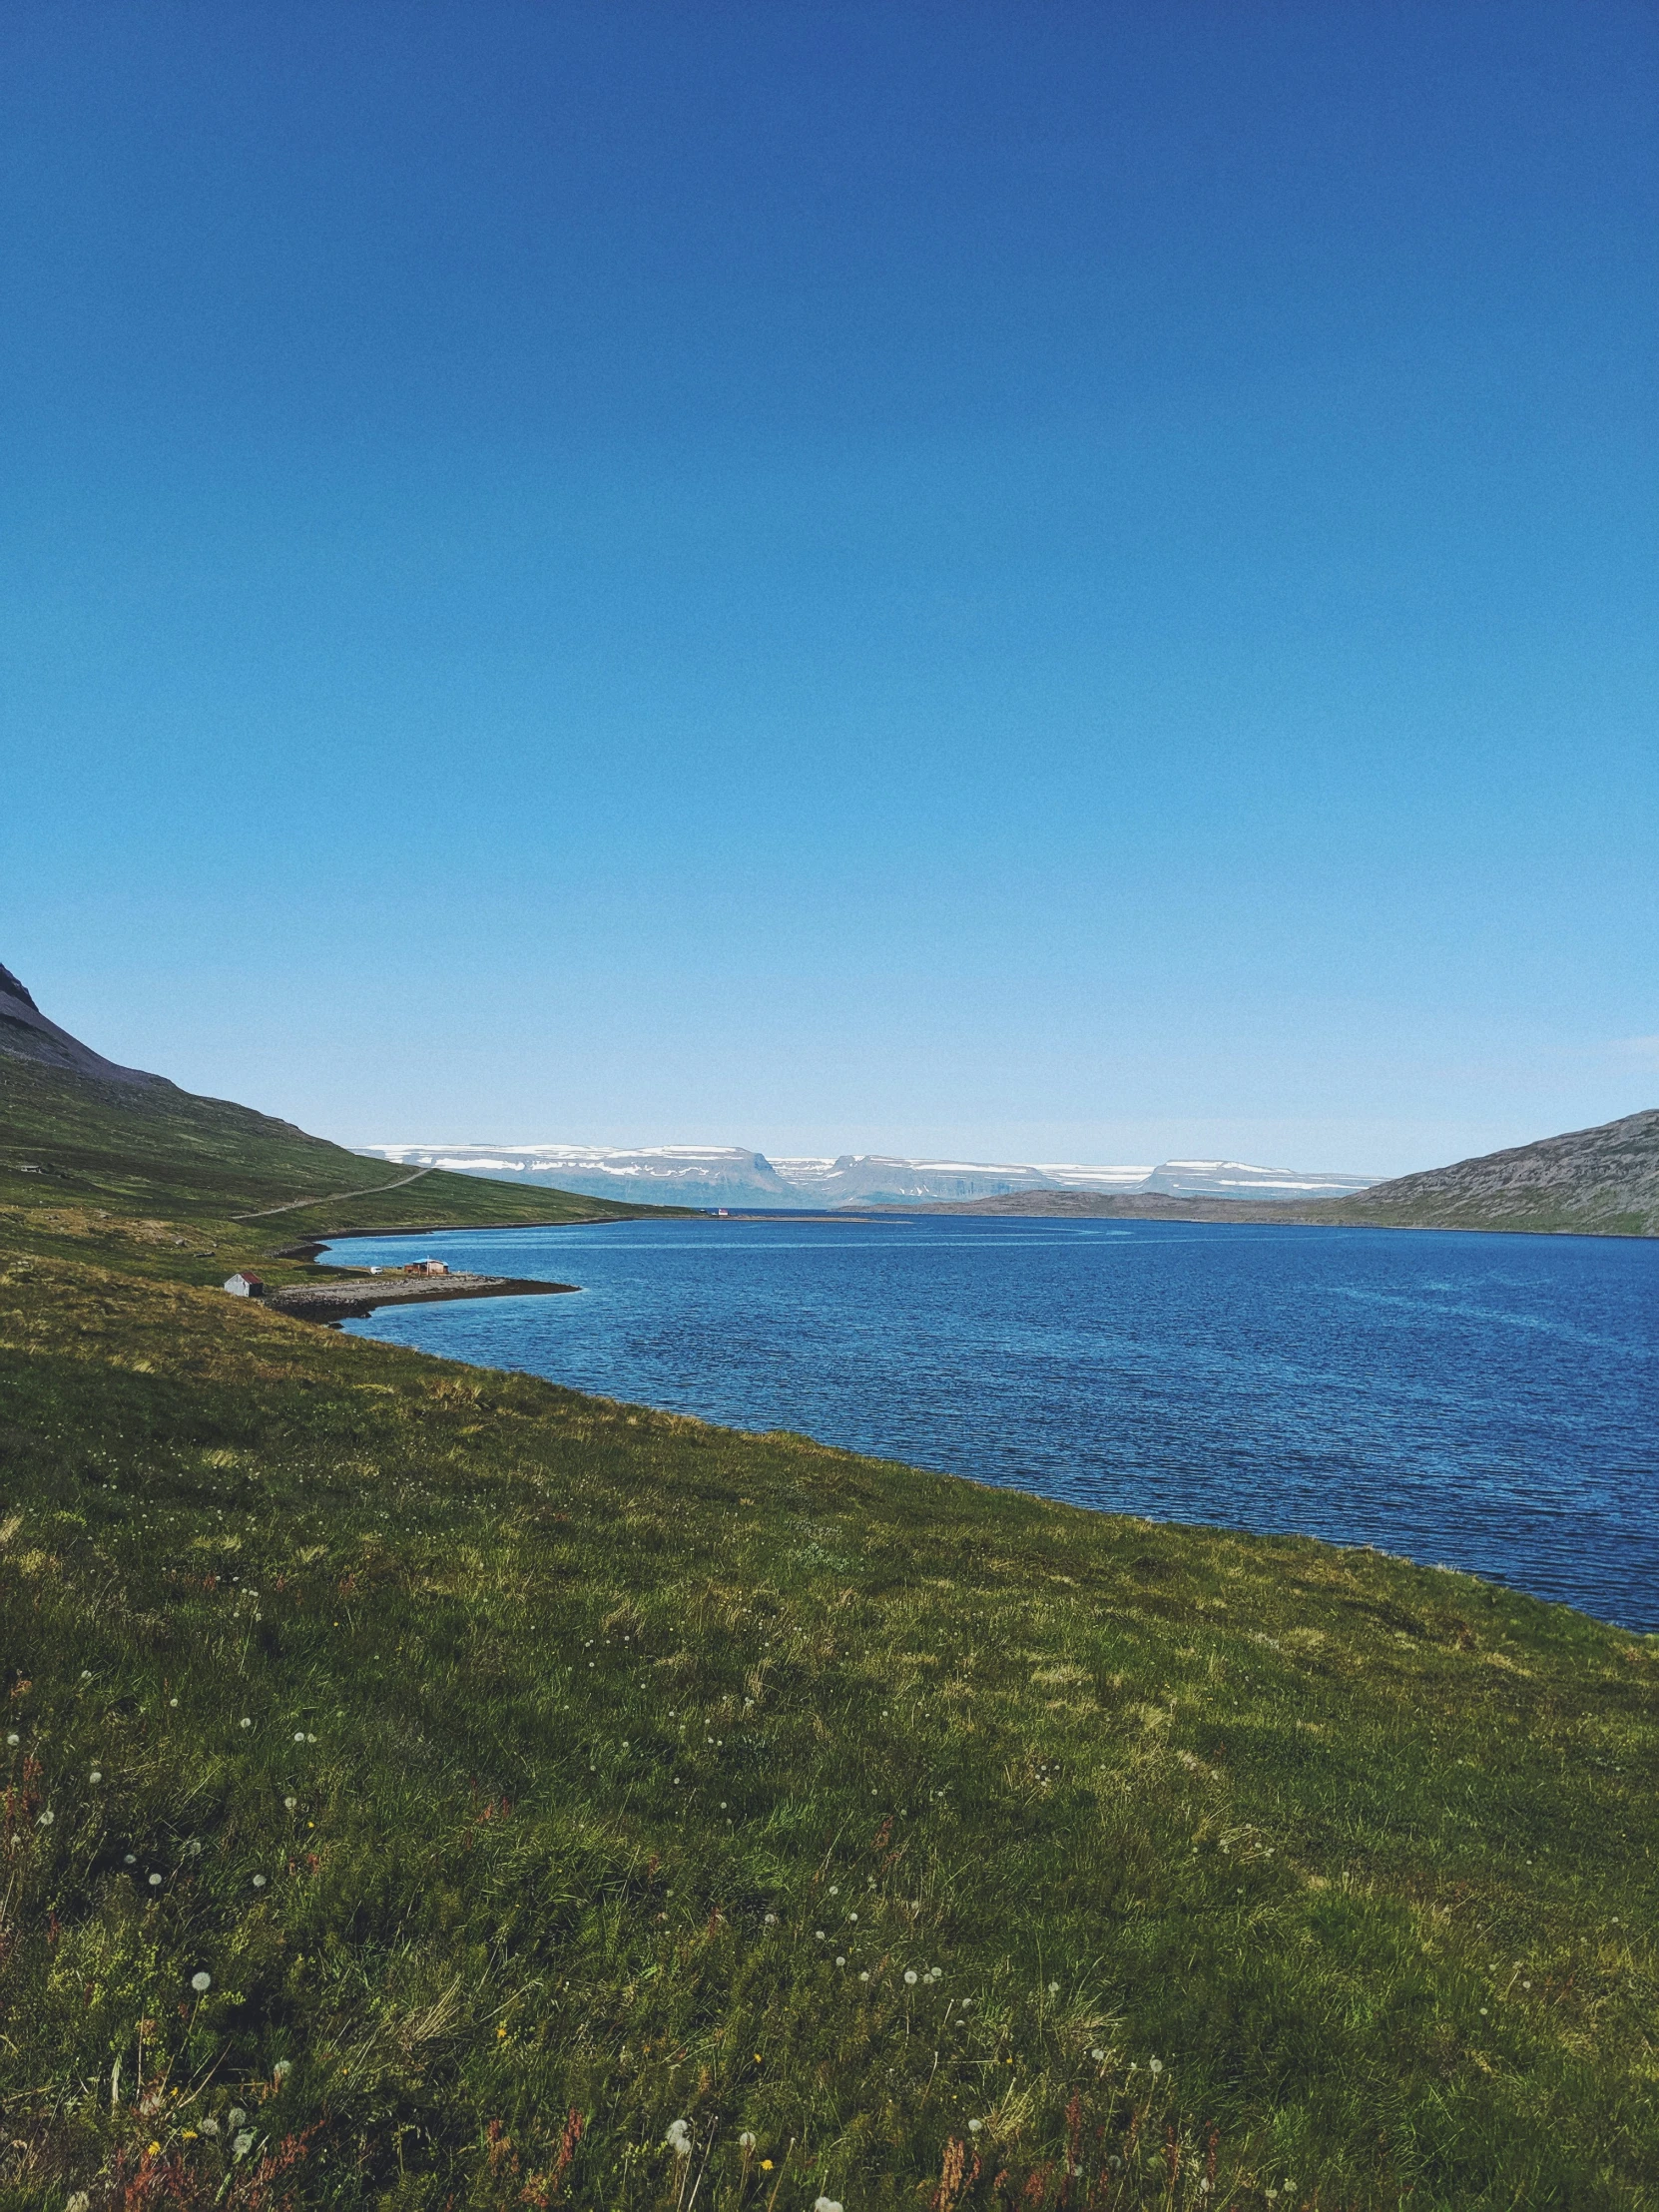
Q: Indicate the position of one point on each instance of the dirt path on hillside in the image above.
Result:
(332, 1198)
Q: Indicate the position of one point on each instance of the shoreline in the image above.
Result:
(352, 1300)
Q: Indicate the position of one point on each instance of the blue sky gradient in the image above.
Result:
(1059, 582)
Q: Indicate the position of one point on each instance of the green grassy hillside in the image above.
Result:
(430, 1789)
(529, 1774)
(177, 1177)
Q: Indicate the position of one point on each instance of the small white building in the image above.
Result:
(245, 1284)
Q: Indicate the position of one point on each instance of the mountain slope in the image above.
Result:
(1603, 1181)
(82, 1137)
(26, 1035)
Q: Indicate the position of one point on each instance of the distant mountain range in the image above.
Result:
(727, 1175)
(1594, 1182)
(1600, 1182)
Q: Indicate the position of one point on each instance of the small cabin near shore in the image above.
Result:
(245, 1284)
(426, 1267)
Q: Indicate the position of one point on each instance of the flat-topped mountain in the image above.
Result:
(732, 1176)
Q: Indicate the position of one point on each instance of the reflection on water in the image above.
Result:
(1483, 1400)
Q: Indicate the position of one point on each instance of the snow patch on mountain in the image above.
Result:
(729, 1174)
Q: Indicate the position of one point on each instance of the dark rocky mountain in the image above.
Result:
(26, 1035)
(1603, 1180)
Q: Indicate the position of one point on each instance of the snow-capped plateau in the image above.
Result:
(729, 1175)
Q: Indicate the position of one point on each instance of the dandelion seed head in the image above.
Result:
(13, 1736)
(243, 2144)
(826, 2205)
(236, 2116)
(259, 1881)
(155, 1882)
(910, 1977)
(746, 2140)
(290, 1803)
(678, 2138)
(46, 1819)
(244, 1722)
(97, 1775)
(202, 1982)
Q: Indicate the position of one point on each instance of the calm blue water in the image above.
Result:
(1488, 1402)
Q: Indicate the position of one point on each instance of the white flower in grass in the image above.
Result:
(173, 1701)
(283, 2068)
(202, 1982)
(826, 2205)
(13, 1736)
(97, 1775)
(243, 2144)
(864, 1977)
(210, 2127)
(909, 1977)
(839, 1960)
(679, 2139)
(44, 1820)
(746, 2140)
(974, 2127)
(155, 1882)
(79, 2202)
(300, 1735)
(131, 1860)
(244, 1722)
(772, 1920)
(259, 1881)
(86, 1674)
(290, 1803)
(237, 2115)
(1155, 2065)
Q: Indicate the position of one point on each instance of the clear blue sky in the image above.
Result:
(1029, 581)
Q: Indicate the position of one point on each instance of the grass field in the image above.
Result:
(429, 1788)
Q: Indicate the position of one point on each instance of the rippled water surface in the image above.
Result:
(1488, 1401)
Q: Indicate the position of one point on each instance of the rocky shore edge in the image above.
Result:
(351, 1300)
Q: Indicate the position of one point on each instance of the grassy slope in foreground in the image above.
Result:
(529, 1773)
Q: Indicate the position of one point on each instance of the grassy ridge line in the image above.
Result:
(502, 1753)
(159, 1177)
